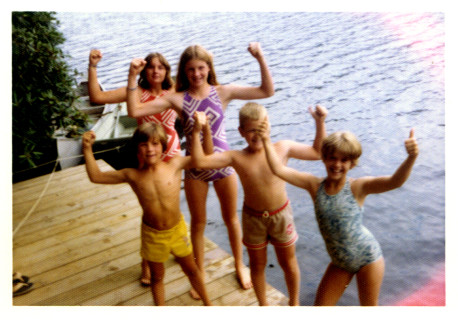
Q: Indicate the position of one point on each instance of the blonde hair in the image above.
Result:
(251, 111)
(194, 52)
(344, 142)
(149, 130)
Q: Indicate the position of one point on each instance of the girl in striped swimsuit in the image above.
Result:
(197, 89)
(155, 81)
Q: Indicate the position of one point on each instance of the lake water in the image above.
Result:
(379, 74)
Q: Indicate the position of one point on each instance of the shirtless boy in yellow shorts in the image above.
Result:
(157, 186)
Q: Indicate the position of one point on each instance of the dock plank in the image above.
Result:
(80, 246)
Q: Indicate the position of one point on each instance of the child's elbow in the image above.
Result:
(270, 92)
(93, 179)
(195, 163)
(131, 112)
(96, 100)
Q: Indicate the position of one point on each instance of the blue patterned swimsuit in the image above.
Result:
(350, 244)
(213, 108)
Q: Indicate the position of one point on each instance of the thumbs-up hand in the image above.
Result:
(411, 144)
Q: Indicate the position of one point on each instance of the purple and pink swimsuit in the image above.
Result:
(213, 108)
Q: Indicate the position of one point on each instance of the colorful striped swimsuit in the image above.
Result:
(167, 120)
(350, 244)
(213, 108)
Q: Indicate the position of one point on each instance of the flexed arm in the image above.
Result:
(304, 151)
(265, 90)
(201, 159)
(267, 83)
(207, 134)
(299, 179)
(319, 114)
(92, 168)
(96, 95)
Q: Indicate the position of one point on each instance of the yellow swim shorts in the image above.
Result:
(157, 245)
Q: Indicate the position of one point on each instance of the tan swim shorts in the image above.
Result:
(261, 227)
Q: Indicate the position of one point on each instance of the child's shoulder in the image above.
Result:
(283, 145)
(177, 161)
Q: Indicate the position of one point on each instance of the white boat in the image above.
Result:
(110, 122)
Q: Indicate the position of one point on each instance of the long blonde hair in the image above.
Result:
(194, 52)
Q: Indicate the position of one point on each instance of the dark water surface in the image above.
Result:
(379, 74)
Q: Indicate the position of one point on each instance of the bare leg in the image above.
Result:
(258, 261)
(196, 196)
(287, 259)
(369, 279)
(195, 276)
(226, 190)
(157, 282)
(332, 286)
(146, 275)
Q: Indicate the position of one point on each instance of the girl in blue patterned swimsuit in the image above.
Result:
(338, 208)
(197, 89)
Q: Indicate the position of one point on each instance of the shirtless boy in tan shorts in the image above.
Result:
(267, 215)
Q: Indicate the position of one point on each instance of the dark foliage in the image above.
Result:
(43, 89)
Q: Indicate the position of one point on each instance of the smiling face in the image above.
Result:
(149, 152)
(337, 165)
(197, 72)
(340, 152)
(151, 141)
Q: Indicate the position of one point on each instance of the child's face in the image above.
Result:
(249, 132)
(150, 152)
(197, 72)
(155, 72)
(337, 165)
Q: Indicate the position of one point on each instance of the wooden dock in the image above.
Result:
(80, 246)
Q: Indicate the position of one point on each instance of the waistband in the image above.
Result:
(266, 213)
(171, 230)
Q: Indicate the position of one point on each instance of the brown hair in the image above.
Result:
(168, 81)
(149, 130)
(344, 142)
(194, 52)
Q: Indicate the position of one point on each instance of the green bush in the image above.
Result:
(43, 89)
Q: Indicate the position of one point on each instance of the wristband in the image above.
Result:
(92, 65)
(132, 89)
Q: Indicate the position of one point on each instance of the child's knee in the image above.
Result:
(257, 265)
(192, 271)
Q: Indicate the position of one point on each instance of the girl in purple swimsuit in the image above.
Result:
(197, 89)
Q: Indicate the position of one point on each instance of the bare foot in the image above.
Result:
(244, 278)
(145, 282)
(194, 294)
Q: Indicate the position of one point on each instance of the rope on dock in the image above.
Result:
(36, 202)
(48, 182)
(65, 158)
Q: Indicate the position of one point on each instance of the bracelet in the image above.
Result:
(132, 88)
(92, 65)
